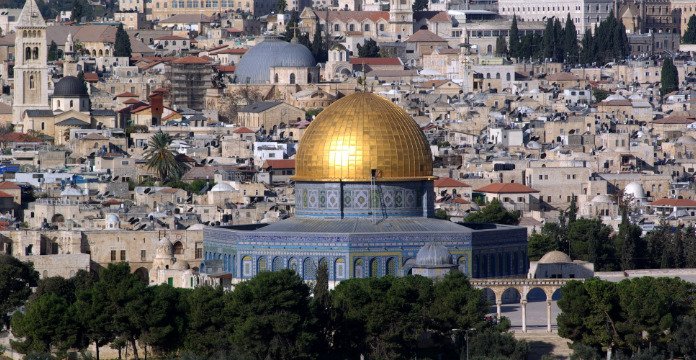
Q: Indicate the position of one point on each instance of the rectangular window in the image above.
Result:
(123, 255)
(199, 250)
(143, 255)
(113, 255)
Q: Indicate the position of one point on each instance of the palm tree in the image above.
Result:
(159, 157)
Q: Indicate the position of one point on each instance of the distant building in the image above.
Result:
(190, 77)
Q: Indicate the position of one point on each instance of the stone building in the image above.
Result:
(189, 79)
(269, 115)
(586, 14)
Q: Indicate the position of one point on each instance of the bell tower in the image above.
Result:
(31, 69)
(401, 19)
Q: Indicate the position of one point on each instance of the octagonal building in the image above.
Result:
(364, 205)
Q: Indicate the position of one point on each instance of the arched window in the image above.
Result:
(507, 76)
(489, 49)
(351, 27)
(178, 246)
(309, 269)
(27, 53)
(277, 263)
(336, 27)
(374, 268)
(24, 33)
(36, 53)
(339, 268)
(275, 78)
(358, 268)
(292, 264)
(101, 53)
(497, 75)
(262, 265)
(292, 78)
(246, 266)
(367, 27)
(391, 267)
(43, 126)
(309, 78)
(31, 82)
(57, 103)
(71, 104)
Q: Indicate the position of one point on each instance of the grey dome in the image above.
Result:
(432, 254)
(69, 86)
(255, 66)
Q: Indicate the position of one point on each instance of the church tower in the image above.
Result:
(31, 70)
(69, 61)
(401, 19)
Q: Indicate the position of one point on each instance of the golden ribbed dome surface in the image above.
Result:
(358, 133)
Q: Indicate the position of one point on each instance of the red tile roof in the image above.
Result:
(226, 68)
(235, 51)
(674, 202)
(279, 164)
(425, 36)
(449, 182)
(126, 94)
(8, 185)
(506, 188)
(5, 195)
(171, 37)
(675, 120)
(347, 16)
(244, 130)
(91, 77)
(18, 137)
(133, 101)
(375, 61)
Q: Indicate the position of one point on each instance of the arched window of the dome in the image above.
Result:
(261, 264)
(358, 268)
(309, 269)
(339, 269)
(246, 266)
(374, 267)
(277, 264)
(27, 53)
(292, 78)
(275, 78)
(31, 81)
(391, 267)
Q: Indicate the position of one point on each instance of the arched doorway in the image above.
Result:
(178, 248)
(143, 275)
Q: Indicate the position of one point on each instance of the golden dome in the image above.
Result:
(358, 133)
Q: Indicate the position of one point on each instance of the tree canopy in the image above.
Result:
(494, 213)
(16, 280)
(159, 157)
(368, 49)
(690, 33)
(122, 45)
(669, 79)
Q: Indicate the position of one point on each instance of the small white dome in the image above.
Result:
(601, 199)
(432, 254)
(112, 221)
(222, 187)
(196, 227)
(635, 189)
(165, 248)
(635, 97)
(555, 257)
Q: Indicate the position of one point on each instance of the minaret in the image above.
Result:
(401, 19)
(69, 61)
(31, 69)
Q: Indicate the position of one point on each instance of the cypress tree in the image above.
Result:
(690, 34)
(558, 39)
(669, 78)
(318, 47)
(500, 46)
(514, 39)
(122, 45)
(586, 53)
(549, 41)
(571, 41)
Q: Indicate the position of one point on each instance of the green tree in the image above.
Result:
(122, 45)
(321, 310)
(83, 82)
(95, 315)
(159, 157)
(501, 46)
(280, 7)
(586, 52)
(420, 5)
(16, 280)
(269, 317)
(570, 41)
(669, 80)
(53, 51)
(690, 34)
(164, 326)
(589, 240)
(628, 242)
(549, 40)
(515, 50)
(368, 49)
(291, 27)
(494, 213)
(205, 307)
(599, 94)
(572, 212)
(539, 244)
(558, 39)
(319, 46)
(47, 325)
